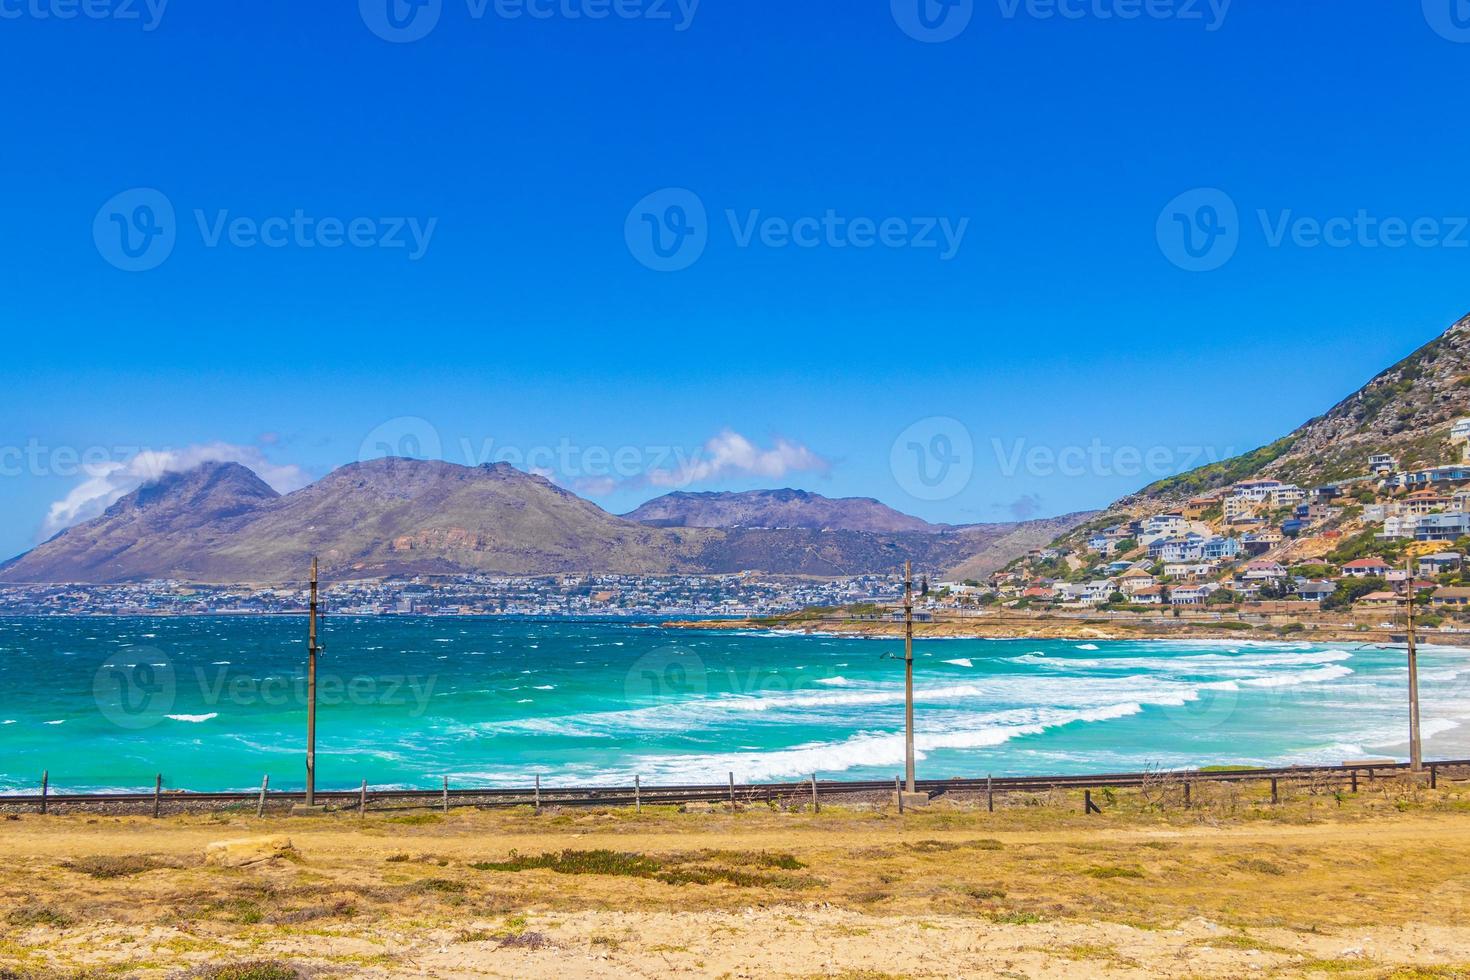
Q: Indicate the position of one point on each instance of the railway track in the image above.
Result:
(613, 796)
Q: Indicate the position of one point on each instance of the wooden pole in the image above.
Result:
(45, 786)
(1355, 780)
(446, 794)
(989, 795)
(908, 674)
(898, 790)
(816, 804)
(538, 792)
(1416, 748)
(157, 794)
(732, 791)
(1275, 794)
(264, 785)
(1434, 777)
(311, 652)
(362, 801)
(1186, 795)
(637, 794)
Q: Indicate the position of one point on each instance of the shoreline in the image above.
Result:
(1016, 628)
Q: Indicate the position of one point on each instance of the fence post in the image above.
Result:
(362, 801)
(45, 786)
(1187, 802)
(1355, 780)
(816, 804)
(1433, 778)
(732, 791)
(157, 794)
(989, 795)
(446, 794)
(1088, 806)
(898, 790)
(260, 807)
(1275, 795)
(538, 792)
(637, 794)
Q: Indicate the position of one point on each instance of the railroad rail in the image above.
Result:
(808, 789)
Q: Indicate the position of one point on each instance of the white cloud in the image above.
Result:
(731, 454)
(108, 482)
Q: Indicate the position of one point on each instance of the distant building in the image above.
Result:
(1315, 591)
(1440, 562)
(1366, 568)
(1382, 464)
(1442, 527)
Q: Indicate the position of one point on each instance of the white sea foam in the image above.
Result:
(1087, 646)
(1300, 677)
(193, 719)
(865, 749)
(1437, 726)
(834, 682)
(961, 662)
(60, 722)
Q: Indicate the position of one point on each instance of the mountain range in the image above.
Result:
(1406, 411)
(220, 523)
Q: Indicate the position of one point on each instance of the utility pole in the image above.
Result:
(1416, 750)
(908, 675)
(311, 651)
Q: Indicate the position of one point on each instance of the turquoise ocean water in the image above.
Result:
(215, 703)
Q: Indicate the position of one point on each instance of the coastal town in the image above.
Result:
(622, 596)
(1360, 544)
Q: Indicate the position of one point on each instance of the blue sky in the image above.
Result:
(1058, 347)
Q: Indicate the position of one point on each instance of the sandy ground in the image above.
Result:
(1372, 885)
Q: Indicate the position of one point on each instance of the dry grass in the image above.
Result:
(1229, 886)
